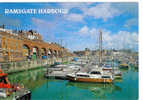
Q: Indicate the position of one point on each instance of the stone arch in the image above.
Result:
(55, 52)
(50, 52)
(36, 52)
(6, 55)
(43, 52)
(26, 50)
(60, 53)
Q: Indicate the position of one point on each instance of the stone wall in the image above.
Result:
(11, 67)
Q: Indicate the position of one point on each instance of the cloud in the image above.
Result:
(41, 27)
(131, 22)
(119, 40)
(99, 11)
(127, 8)
(75, 5)
(40, 23)
(85, 31)
(74, 17)
(9, 21)
(102, 11)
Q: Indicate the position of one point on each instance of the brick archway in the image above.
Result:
(26, 50)
(50, 52)
(43, 52)
(35, 52)
(55, 53)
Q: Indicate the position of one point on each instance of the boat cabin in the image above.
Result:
(82, 75)
(96, 71)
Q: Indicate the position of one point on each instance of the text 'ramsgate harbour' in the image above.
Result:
(36, 11)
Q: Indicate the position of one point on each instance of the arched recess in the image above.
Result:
(35, 51)
(60, 53)
(50, 52)
(26, 50)
(6, 56)
(55, 53)
(43, 52)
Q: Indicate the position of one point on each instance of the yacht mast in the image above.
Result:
(100, 48)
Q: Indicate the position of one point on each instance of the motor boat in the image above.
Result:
(124, 66)
(114, 70)
(95, 76)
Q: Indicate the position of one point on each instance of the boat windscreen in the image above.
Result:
(105, 76)
(95, 72)
(83, 75)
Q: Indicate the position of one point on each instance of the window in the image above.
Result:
(105, 76)
(83, 75)
(95, 72)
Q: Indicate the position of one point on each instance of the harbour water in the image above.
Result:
(51, 89)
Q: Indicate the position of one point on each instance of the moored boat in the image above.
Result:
(124, 66)
(115, 71)
(93, 76)
(117, 74)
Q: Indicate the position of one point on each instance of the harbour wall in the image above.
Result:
(12, 67)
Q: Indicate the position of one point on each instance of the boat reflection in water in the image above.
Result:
(32, 79)
(45, 89)
(99, 90)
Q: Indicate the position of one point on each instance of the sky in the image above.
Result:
(79, 28)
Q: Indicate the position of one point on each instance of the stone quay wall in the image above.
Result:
(11, 67)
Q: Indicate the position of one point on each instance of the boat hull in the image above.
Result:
(92, 80)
